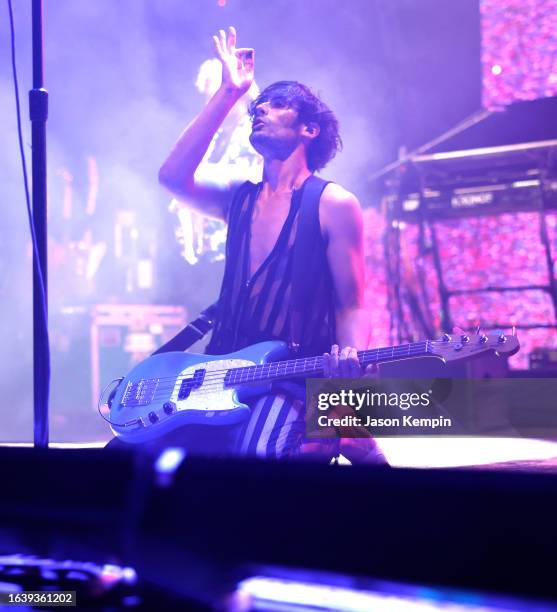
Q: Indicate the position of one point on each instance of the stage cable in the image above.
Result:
(36, 266)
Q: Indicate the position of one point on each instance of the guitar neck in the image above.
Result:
(313, 366)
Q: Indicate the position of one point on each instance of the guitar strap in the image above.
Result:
(193, 331)
(307, 258)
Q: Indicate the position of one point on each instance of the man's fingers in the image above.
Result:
(222, 40)
(334, 359)
(225, 43)
(372, 371)
(349, 363)
(326, 365)
(354, 364)
(218, 47)
(344, 364)
(231, 38)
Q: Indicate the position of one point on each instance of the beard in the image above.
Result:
(269, 146)
(260, 142)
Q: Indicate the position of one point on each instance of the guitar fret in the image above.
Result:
(309, 365)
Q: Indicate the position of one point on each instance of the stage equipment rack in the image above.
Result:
(476, 182)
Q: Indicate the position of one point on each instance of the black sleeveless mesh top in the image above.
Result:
(259, 308)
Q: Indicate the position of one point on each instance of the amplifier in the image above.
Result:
(544, 358)
(489, 180)
(448, 202)
(122, 335)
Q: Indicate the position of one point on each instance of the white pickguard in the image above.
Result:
(212, 396)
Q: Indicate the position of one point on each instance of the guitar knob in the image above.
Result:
(153, 417)
(169, 407)
(502, 338)
(482, 339)
(464, 338)
(446, 337)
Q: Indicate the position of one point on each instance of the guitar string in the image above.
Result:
(216, 382)
(299, 362)
(245, 377)
(248, 375)
(207, 389)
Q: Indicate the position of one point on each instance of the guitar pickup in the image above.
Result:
(188, 384)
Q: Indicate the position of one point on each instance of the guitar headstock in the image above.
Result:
(453, 347)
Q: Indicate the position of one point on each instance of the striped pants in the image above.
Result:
(276, 430)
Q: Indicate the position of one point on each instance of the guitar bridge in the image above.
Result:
(139, 393)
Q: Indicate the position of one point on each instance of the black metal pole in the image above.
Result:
(38, 111)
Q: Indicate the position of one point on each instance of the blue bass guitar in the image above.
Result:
(169, 390)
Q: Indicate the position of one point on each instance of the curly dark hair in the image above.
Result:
(310, 109)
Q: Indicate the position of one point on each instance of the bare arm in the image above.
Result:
(343, 223)
(341, 219)
(178, 170)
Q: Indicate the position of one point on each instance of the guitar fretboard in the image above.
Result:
(309, 366)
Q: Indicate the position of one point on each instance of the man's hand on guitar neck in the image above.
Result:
(354, 443)
(345, 364)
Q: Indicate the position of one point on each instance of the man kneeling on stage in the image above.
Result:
(297, 135)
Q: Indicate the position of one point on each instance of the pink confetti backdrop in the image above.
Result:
(376, 278)
(519, 50)
(477, 252)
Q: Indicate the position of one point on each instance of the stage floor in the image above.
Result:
(504, 453)
(468, 452)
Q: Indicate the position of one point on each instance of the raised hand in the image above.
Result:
(237, 64)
